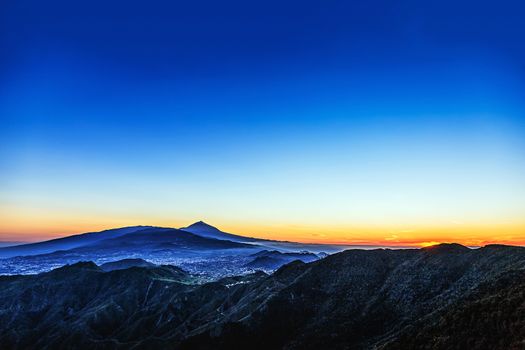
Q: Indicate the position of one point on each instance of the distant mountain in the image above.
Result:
(10, 243)
(441, 297)
(93, 238)
(271, 260)
(205, 230)
(303, 255)
(200, 248)
(65, 243)
(142, 241)
(160, 238)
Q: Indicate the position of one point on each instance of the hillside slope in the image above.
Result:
(356, 299)
(69, 242)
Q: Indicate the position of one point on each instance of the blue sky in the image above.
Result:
(355, 116)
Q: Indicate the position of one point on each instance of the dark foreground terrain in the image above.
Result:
(443, 297)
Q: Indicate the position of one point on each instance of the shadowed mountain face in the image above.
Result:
(129, 237)
(161, 238)
(66, 243)
(271, 260)
(357, 299)
(4, 244)
(492, 317)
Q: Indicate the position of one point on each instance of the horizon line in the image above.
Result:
(350, 245)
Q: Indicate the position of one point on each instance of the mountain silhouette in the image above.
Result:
(148, 235)
(205, 230)
(69, 242)
(161, 238)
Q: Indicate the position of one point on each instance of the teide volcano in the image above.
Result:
(200, 248)
(205, 230)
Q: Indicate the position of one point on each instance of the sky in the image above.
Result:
(356, 122)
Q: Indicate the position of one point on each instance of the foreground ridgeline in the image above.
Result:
(442, 297)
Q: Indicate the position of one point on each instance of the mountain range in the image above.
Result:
(442, 297)
(199, 247)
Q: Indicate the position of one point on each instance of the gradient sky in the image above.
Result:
(364, 122)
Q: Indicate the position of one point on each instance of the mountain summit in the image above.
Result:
(206, 230)
(201, 226)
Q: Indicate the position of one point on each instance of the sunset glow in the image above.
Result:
(400, 134)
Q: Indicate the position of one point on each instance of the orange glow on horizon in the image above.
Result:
(428, 244)
(420, 236)
(37, 224)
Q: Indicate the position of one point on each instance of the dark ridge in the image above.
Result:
(81, 265)
(500, 247)
(491, 317)
(265, 252)
(125, 263)
(73, 269)
(358, 299)
(290, 269)
(447, 248)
